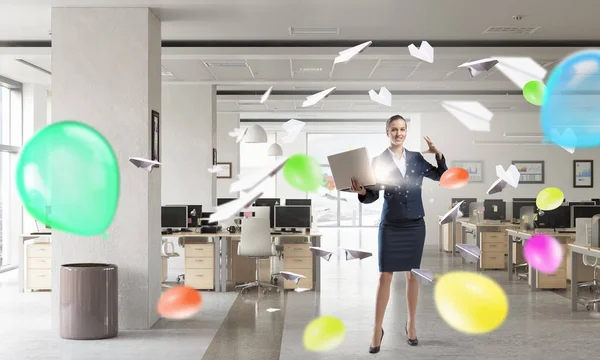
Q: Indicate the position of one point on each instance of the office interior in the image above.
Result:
(203, 68)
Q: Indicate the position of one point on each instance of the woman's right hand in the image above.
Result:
(357, 187)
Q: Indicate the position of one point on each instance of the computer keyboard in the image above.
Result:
(185, 230)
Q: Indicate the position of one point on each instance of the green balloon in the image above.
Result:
(68, 178)
(534, 92)
(303, 173)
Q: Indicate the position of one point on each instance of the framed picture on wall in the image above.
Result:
(583, 173)
(155, 136)
(532, 171)
(225, 172)
(473, 167)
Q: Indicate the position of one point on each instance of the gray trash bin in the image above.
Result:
(88, 301)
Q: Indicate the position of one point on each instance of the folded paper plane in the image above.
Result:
(315, 98)
(469, 252)
(511, 175)
(145, 164)
(256, 178)
(352, 254)
(568, 138)
(520, 70)
(215, 169)
(497, 186)
(293, 128)
(273, 310)
(471, 114)
(230, 209)
(300, 290)
(425, 52)
(325, 254)
(335, 198)
(384, 97)
(238, 134)
(348, 54)
(479, 66)
(292, 276)
(452, 215)
(265, 96)
(424, 276)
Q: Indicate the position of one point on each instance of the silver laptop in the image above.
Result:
(351, 164)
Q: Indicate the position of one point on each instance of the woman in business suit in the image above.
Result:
(402, 228)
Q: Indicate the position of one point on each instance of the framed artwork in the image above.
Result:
(225, 172)
(155, 136)
(532, 171)
(473, 167)
(583, 173)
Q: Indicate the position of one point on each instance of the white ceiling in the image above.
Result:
(354, 19)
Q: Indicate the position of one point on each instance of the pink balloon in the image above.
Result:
(543, 253)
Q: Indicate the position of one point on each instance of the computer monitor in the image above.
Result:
(523, 199)
(517, 205)
(583, 211)
(494, 209)
(174, 216)
(221, 201)
(559, 218)
(292, 217)
(193, 220)
(305, 202)
(578, 203)
(464, 207)
(270, 202)
(597, 201)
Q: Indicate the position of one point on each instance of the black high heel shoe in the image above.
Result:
(411, 342)
(375, 349)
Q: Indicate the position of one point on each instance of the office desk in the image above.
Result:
(222, 252)
(521, 236)
(43, 271)
(490, 232)
(450, 234)
(576, 252)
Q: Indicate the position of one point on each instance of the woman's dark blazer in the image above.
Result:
(402, 195)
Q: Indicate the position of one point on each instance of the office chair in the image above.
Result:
(255, 243)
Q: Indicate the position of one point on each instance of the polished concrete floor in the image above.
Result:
(540, 324)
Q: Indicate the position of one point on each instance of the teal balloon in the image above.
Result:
(534, 92)
(68, 178)
(303, 173)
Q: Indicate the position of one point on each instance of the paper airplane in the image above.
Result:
(300, 290)
(424, 276)
(292, 276)
(251, 181)
(425, 52)
(238, 133)
(511, 175)
(384, 97)
(497, 186)
(567, 137)
(272, 310)
(230, 209)
(452, 215)
(325, 254)
(520, 70)
(479, 66)
(352, 254)
(471, 114)
(471, 253)
(331, 197)
(293, 128)
(215, 169)
(265, 96)
(145, 164)
(348, 54)
(315, 98)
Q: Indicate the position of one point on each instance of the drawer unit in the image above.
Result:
(39, 267)
(492, 261)
(199, 266)
(297, 250)
(303, 283)
(297, 258)
(494, 248)
(493, 236)
(558, 280)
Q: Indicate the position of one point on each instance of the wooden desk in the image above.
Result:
(538, 281)
(222, 252)
(39, 260)
(576, 252)
(492, 233)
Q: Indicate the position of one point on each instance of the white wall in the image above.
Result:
(455, 141)
(227, 151)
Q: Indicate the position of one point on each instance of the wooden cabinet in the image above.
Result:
(297, 258)
(199, 266)
(494, 249)
(557, 280)
(39, 267)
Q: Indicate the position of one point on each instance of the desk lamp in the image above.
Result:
(194, 213)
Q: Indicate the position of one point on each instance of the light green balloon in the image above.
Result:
(534, 92)
(549, 199)
(324, 333)
(68, 178)
(303, 173)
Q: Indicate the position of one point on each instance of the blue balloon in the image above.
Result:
(570, 112)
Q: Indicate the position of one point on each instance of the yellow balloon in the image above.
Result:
(470, 303)
(549, 199)
(324, 333)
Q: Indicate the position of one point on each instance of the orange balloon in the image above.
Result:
(179, 302)
(454, 178)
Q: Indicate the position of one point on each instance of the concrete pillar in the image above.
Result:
(106, 65)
